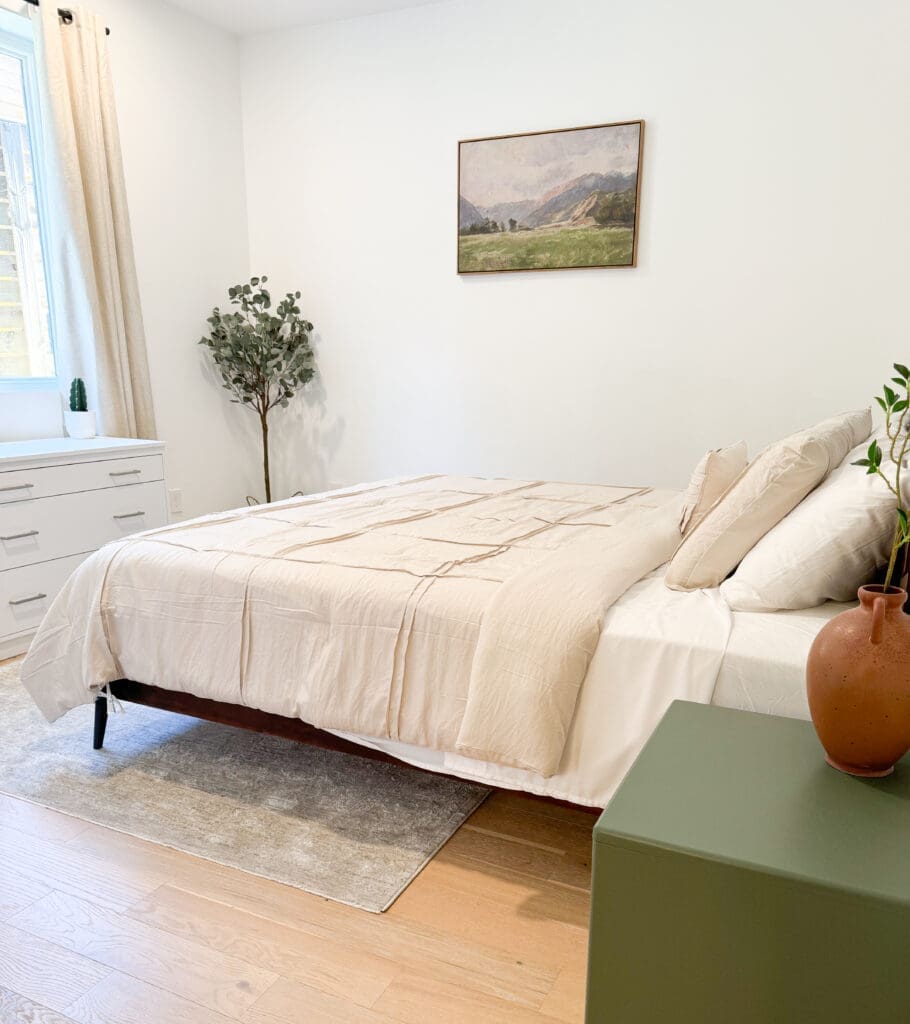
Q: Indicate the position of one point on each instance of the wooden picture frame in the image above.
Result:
(563, 199)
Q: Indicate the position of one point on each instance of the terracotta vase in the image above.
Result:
(858, 680)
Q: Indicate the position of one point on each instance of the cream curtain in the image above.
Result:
(93, 273)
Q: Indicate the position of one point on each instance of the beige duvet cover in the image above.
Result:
(454, 613)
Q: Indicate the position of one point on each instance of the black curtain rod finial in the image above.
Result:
(66, 16)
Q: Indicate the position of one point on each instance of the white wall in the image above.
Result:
(773, 256)
(177, 84)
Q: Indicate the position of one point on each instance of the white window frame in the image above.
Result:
(17, 39)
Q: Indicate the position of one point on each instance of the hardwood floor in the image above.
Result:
(97, 927)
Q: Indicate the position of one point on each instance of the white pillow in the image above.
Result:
(712, 476)
(824, 550)
(773, 484)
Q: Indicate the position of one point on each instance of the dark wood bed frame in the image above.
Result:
(256, 721)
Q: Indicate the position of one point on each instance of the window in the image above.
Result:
(26, 337)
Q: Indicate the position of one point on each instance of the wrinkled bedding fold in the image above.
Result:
(539, 634)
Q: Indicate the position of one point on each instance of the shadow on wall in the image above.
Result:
(240, 437)
(305, 441)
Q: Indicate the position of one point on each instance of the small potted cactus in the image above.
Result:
(79, 421)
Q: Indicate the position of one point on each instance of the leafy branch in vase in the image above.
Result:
(897, 428)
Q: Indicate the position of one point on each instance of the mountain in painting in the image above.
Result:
(569, 203)
(559, 203)
(504, 212)
(468, 214)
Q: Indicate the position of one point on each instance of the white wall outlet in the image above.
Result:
(175, 501)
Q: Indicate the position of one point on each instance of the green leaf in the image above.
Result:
(902, 370)
(890, 396)
(881, 402)
(860, 462)
(901, 405)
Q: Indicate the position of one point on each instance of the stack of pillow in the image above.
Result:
(799, 524)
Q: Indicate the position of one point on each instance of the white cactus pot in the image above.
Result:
(79, 424)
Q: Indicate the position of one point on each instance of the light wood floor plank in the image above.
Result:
(569, 867)
(200, 975)
(119, 999)
(17, 891)
(414, 999)
(528, 897)
(35, 820)
(289, 1002)
(322, 962)
(51, 863)
(476, 917)
(530, 805)
(566, 1001)
(42, 972)
(16, 1009)
(503, 818)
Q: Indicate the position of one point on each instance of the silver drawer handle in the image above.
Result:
(129, 515)
(125, 472)
(19, 536)
(28, 600)
(15, 487)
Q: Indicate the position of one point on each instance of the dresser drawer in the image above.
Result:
(42, 529)
(22, 484)
(27, 593)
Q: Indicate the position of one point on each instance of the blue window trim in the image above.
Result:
(17, 39)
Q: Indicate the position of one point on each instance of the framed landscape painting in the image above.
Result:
(550, 200)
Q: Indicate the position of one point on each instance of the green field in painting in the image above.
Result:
(546, 247)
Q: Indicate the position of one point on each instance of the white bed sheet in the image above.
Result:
(657, 645)
(764, 668)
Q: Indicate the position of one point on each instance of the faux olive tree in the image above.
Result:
(264, 357)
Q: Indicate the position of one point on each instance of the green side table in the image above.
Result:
(738, 879)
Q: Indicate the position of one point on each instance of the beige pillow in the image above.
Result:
(713, 475)
(770, 487)
(826, 548)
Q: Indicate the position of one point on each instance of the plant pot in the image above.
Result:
(79, 424)
(858, 682)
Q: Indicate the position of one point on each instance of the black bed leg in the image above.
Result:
(100, 722)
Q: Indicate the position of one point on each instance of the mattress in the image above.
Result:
(761, 661)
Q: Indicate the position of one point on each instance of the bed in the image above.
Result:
(514, 632)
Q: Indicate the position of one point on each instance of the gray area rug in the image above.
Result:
(337, 825)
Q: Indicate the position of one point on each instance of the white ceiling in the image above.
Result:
(245, 17)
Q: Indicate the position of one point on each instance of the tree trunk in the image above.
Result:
(264, 421)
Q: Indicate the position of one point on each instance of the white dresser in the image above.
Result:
(60, 500)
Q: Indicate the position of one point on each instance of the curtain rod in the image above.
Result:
(65, 16)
